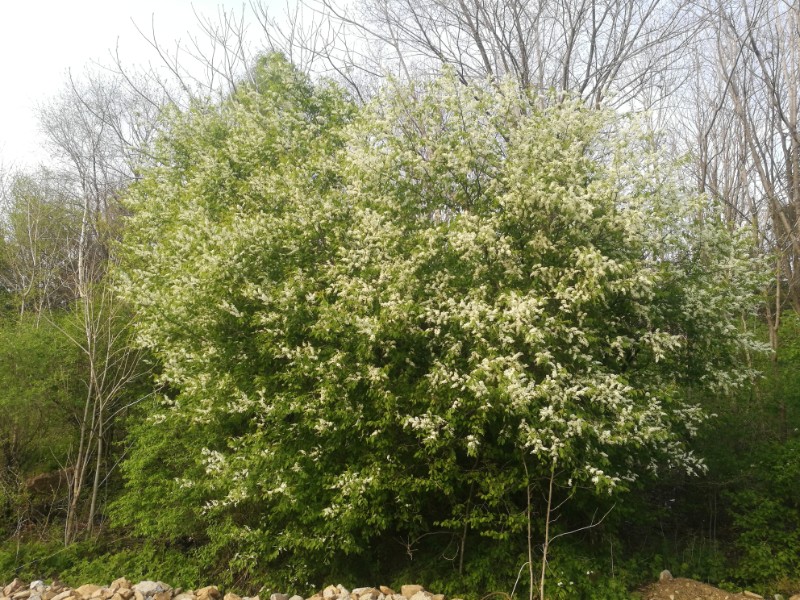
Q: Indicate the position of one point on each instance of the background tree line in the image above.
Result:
(716, 84)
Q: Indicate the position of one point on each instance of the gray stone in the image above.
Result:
(37, 584)
(296, 597)
(149, 588)
(748, 594)
(279, 597)
(665, 576)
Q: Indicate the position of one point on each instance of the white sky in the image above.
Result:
(40, 40)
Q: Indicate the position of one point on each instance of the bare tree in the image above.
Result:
(99, 131)
(746, 131)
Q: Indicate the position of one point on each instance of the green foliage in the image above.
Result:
(766, 515)
(40, 392)
(399, 323)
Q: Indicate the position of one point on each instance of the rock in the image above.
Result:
(37, 585)
(185, 596)
(296, 597)
(125, 593)
(21, 595)
(121, 584)
(63, 595)
(421, 595)
(149, 588)
(232, 596)
(386, 591)
(12, 587)
(210, 591)
(165, 595)
(665, 576)
(793, 597)
(116, 596)
(49, 595)
(329, 593)
(279, 597)
(408, 591)
(778, 597)
(437, 597)
(748, 594)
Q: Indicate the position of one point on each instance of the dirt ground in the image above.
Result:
(688, 589)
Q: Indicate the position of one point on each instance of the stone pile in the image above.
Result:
(122, 589)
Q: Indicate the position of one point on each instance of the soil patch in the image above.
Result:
(688, 589)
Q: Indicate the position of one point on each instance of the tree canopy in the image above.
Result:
(382, 323)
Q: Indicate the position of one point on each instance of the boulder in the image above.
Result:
(37, 585)
(665, 576)
(231, 596)
(150, 588)
(329, 593)
(279, 597)
(63, 595)
(386, 591)
(21, 595)
(210, 591)
(165, 595)
(120, 584)
(185, 596)
(296, 597)
(125, 593)
(421, 595)
(49, 594)
(366, 593)
(12, 587)
(408, 591)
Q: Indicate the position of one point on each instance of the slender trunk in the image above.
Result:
(546, 529)
(528, 517)
(98, 464)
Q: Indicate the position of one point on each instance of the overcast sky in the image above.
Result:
(40, 40)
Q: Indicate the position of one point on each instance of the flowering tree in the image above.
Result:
(419, 317)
